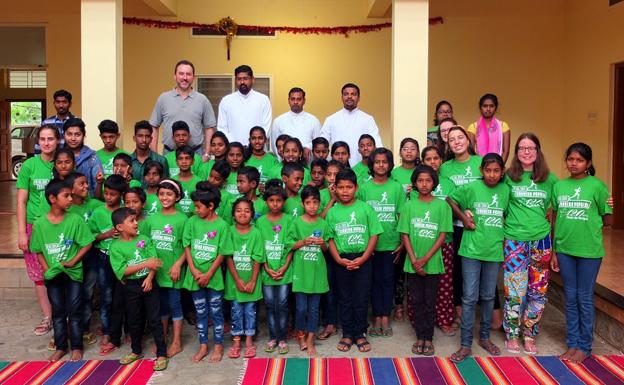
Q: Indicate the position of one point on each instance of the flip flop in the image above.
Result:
(160, 365)
(130, 358)
(234, 352)
(346, 345)
(375, 332)
(458, 356)
(250, 352)
(417, 347)
(364, 346)
(488, 346)
(325, 334)
(107, 349)
(386, 332)
(428, 349)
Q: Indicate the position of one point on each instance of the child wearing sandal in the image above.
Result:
(481, 206)
(134, 260)
(241, 282)
(206, 241)
(423, 225)
(353, 232)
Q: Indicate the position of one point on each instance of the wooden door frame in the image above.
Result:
(617, 162)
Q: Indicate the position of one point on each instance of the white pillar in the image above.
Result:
(410, 71)
(101, 44)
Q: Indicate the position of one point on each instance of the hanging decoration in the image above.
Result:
(228, 26)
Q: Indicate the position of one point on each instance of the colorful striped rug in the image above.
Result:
(93, 372)
(547, 370)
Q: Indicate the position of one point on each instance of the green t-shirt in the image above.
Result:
(106, 158)
(277, 174)
(461, 173)
(265, 165)
(186, 205)
(352, 226)
(205, 168)
(403, 176)
(225, 207)
(488, 206)
(143, 227)
(85, 210)
(387, 200)
(34, 177)
(60, 243)
(325, 198)
(309, 268)
(362, 172)
(131, 253)
(231, 187)
(206, 240)
(260, 208)
(166, 232)
(248, 248)
(152, 204)
(423, 222)
(528, 205)
(275, 250)
(101, 221)
(174, 170)
(444, 189)
(580, 205)
(293, 206)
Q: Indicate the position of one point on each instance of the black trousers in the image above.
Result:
(423, 291)
(329, 302)
(135, 298)
(383, 283)
(354, 290)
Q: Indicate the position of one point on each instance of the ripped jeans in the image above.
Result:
(208, 304)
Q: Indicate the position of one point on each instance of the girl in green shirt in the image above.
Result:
(219, 145)
(340, 152)
(293, 153)
(235, 158)
(153, 173)
(257, 157)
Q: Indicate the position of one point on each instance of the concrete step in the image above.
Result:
(14, 282)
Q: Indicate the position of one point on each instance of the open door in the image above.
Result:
(5, 141)
(617, 177)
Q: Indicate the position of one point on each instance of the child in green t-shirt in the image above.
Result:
(328, 195)
(279, 145)
(481, 206)
(219, 173)
(353, 233)
(153, 173)
(219, 144)
(307, 239)
(293, 153)
(122, 165)
(341, 153)
(320, 148)
(241, 283)
(109, 133)
(206, 242)
(366, 145)
(408, 152)
(247, 182)
(64, 163)
(387, 197)
(235, 157)
(423, 226)
(292, 175)
(276, 275)
(188, 181)
(60, 241)
(581, 207)
(257, 156)
(181, 134)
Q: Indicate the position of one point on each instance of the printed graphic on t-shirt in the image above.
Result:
(426, 228)
(274, 247)
(385, 211)
(311, 252)
(203, 249)
(295, 212)
(107, 168)
(153, 209)
(353, 232)
(263, 178)
(232, 189)
(530, 196)
(466, 178)
(489, 213)
(575, 206)
(186, 202)
(438, 193)
(137, 260)
(57, 251)
(164, 239)
(242, 259)
(40, 184)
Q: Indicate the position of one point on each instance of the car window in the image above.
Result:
(16, 133)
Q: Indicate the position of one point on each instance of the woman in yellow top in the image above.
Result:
(489, 134)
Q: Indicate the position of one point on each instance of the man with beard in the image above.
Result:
(185, 104)
(62, 104)
(297, 122)
(350, 123)
(243, 109)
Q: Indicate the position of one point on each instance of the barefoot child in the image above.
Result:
(423, 225)
(60, 241)
(206, 242)
(134, 261)
(241, 284)
(166, 230)
(308, 236)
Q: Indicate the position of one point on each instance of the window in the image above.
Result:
(215, 87)
(27, 79)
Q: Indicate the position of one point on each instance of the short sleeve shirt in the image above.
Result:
(101, 221)
(387, 200)
(166, 232)
(275, 250)
(34, 177)
(248, 249)
(352, 226)
(131, 253)
(309, 266)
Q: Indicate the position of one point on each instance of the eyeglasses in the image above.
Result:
(444, 111)
(527, 149)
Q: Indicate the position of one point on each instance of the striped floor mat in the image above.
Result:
(93, 372)
(547, 370)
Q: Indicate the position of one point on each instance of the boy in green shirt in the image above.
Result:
(181, 135)
(366, 145)
(184, 160)
(122, 165)
(218, 175)
(60, 241)
(353, 233)
(247, 181)
(292, 176)
(109, 133)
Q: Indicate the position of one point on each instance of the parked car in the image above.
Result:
(18, 133)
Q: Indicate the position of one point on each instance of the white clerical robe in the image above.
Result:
(238, 113)
(303, 126)
(348, 126)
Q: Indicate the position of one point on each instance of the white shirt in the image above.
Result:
(303, 126)
(238, 113)
(348, 126)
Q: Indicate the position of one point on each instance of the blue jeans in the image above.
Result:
(65, 296)
(89, 279)
(579, 276)
(479, 285)
(106, 283)
(307, 314)
(243, 318)
(170, 303)
(276, 301)
(208, 303)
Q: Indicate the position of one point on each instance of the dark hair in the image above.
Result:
(540, 167)
(186, 149)
(423, 168)
(282, 137)
(222, 136)
(138, 191)
(249, 149)
(322, 163)
(75, 122)
(207, 195)
(142, 125)
(437, 107)
(244, 199)
(62, 94)
(184, 62)
(451, 155)
(116, 182)
(257, 128)
(310, 191)
(335, 163)
(71, 178)
(222, 167)
(404, 141)
(339, 144)
(320, 141)
(121, 214)
(491, 97)
(238, 145)
(297, 142)
(180, 125)
(62, 151)
(346, 174)
(274, 187)
(431, 148)
(150, 164)
(243, 68)
(585, 152)
(366, 136)
(251, 173)
(54, 188)
(125, 157)
(350, 85)
(296, 89)
(289, 167)
(51, 127)
(108, 126)
(493, 157)
(380, 151)
(173, 185)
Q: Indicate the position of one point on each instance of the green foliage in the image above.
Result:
(25, 113)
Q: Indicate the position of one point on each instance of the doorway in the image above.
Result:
(617, 176)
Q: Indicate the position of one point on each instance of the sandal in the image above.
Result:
(375, 332)
(130, 358)
(270, 346)
(107, 349)
(398, 313)
(428, 349)
(417, 347)
(344, 345)
(160, 365)
(234, 352)
(51, 346)
(282, 348)
(301, 339)
(326, 334)
(529, 346)
(460, 355)
(387, 332)
(44, 327)
(89, 338)
(489, 347)
(363, 346)
(250, 351)
(512, 345)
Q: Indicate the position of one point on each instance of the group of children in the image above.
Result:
(248, 225)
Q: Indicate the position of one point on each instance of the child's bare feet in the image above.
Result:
(76, 355)
(217, 355)
(310, 344)
(174, 349)
(568, 354)
(578, 357)
(57, 355)
(302, 341)
(203, 352)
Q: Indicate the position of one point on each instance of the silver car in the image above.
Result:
(18, 133)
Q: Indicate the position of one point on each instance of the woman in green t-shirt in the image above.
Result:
(35, 174)
(580, 202)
